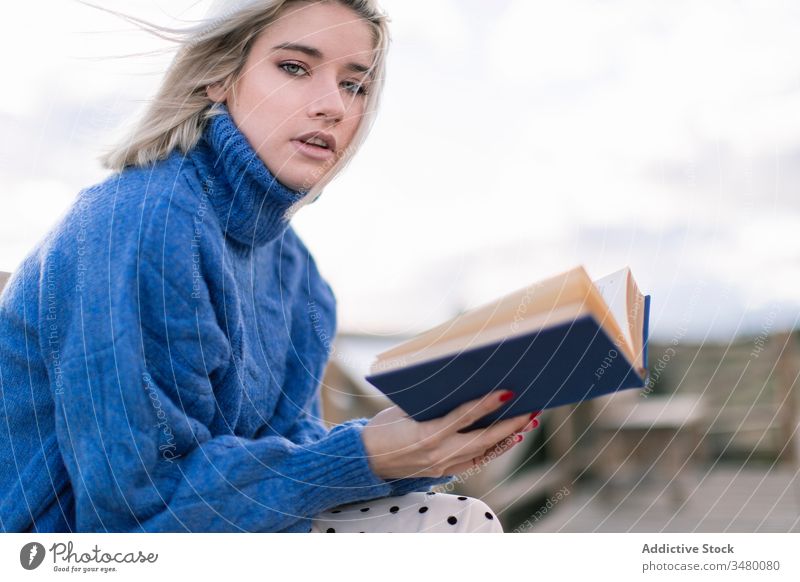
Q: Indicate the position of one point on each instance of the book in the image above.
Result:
(558, 341)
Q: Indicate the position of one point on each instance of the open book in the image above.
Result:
(557, 341)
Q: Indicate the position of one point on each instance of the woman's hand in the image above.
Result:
(398, 446)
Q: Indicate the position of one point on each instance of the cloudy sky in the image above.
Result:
(518, 138)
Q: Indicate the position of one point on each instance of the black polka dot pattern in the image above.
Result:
(435, 512)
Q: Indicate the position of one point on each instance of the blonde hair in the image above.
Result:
(215, 53)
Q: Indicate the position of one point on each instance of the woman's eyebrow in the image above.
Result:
(317, 54)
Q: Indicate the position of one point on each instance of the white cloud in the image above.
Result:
(440, 24)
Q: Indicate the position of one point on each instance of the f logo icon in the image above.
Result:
(31, 555)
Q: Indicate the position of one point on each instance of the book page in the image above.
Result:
(626, 303)
(614, 290)
(636, 299)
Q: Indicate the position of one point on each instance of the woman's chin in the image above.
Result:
(302, 181)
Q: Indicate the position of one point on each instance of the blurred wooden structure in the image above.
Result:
(736, 401)
(749, 388)
(786, 398)
(636, 434)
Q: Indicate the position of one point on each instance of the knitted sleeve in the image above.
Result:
(140, 356)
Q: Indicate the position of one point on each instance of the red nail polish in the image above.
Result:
(534, 423)
(506, 396)
(535, 414)
(518, 438)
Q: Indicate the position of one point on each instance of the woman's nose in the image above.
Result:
(327, 100)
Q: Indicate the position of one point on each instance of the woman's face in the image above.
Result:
(301, 95)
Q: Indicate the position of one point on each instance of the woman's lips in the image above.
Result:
(313, 151)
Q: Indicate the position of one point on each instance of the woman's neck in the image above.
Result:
(250, 201)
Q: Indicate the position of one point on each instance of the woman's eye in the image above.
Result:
(355, 87)
(292, 69)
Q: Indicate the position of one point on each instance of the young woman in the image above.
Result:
(159, 365)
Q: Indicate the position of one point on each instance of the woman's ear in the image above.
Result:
(216, 93)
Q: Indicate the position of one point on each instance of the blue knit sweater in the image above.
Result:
(161, 351)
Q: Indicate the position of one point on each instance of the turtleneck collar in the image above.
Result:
(249, 200)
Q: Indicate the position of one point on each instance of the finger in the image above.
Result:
(501, 448)
(464, 446)
(482, 438)
(487, 456)
(464, 415)
(534, 423)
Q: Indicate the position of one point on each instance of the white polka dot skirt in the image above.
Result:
(417, 512)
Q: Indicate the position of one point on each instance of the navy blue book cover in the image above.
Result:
(559, 365)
